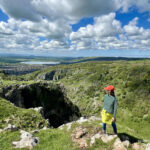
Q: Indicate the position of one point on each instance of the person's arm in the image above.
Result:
(115, 107)
(104, 100)
(103, 103)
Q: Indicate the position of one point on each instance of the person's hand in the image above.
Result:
(113, 119)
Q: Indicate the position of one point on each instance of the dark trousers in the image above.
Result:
(113, 125)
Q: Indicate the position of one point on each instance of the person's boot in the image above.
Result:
(115, 133)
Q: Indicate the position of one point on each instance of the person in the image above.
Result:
(109, 109)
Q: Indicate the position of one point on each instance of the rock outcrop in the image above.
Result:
(27, 140)
(53, 75)
(81, 135)
(80, 121)
(11, 128)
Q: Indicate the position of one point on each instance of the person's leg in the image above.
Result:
(104, 127)
(114, 127)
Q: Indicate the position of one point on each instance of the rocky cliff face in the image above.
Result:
(53, 75)
(52, 97)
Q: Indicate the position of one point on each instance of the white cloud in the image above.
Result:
(131, 29)
(20, 9)
(52, 45)
(105, 25)
(4, 29)
(55, 9)
(107, 33)
(47, 29)
(141, 5)
(51, 20)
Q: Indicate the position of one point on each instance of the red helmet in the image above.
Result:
(109, 88)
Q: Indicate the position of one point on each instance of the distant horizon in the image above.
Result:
(49, 56)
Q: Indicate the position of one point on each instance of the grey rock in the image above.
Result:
(118, 145)
(11, 128)
(93, 138)
(126, 143)
(147, 146)
(27, 140)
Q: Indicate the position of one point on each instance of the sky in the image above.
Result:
(75, 28)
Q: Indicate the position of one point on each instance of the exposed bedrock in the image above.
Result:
(52, 97)
(53, 74)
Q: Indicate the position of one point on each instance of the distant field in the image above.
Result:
(19, 65)
(18, 59)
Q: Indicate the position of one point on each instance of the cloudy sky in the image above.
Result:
(75, 27)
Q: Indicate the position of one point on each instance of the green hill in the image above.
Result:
(84, 83)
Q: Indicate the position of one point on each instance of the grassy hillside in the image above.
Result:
(131, 80)
(26, 119)
(84, 83)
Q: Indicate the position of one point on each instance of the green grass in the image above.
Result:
(84, 83)
(55, 139)
(23, 118)
(6, 139)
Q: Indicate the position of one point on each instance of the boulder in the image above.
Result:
(93, 138)
(137, 146)
(11, 128)
(118, 145)
(69, 125)
(44, 128)
(147, 146)
(93, 118)
(80, 137)
(27, 140)
(39, 110)
(107, 138)
(35, 131)
(62, 126)
(80, 132)
(81, 120)
(126, 143)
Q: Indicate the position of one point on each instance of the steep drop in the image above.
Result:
(52, 97)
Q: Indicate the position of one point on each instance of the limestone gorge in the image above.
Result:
(58, 107)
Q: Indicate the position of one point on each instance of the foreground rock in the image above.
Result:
(137, 146)
(148, 146)
(27, 140)
(80, 137)
(93, 138)
(80, 121)
(39, 110)
(118, 145)
(11, 128)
